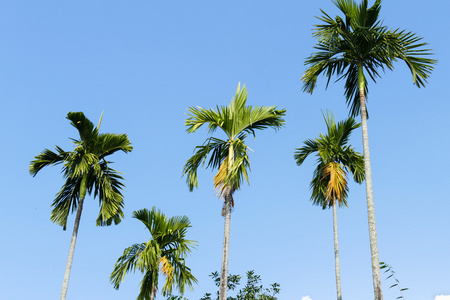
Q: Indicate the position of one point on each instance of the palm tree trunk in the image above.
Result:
(74, 239)
(226, 247)
(336, 253)
(153, 293)
(369, 190)
(71, 250)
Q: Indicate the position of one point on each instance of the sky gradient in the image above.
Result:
(144, 63)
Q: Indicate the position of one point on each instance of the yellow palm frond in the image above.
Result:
(337, 181)
(219, 178)
(165, 268)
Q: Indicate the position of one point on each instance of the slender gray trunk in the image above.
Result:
(336, 253)
(226, 247)
(369, 189)
(153, 293)
(71, 250)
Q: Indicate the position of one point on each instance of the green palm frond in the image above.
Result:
(126, 263)
(66, 201)
(218, 149)
(106, 184)
(47, 158)
(84, 126)
(108, 143)
(146, 286)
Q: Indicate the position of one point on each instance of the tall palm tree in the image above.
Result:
(230, 155)
(86, 170)
(165, 252)
(334, 160)
(351, 48)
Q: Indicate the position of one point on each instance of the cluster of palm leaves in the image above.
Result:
(354, 48)
(164, 253)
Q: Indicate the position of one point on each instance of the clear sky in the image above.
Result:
(144, 63)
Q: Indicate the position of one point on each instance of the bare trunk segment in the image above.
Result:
(369, 189)
(226, 247)
(153, 293)
(71, 250)
(336, 253)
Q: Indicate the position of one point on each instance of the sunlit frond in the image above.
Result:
(47, 158)
(337, 182)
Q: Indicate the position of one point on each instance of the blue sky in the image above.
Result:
(144, 63)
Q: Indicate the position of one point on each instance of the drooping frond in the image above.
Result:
(218, 149)
(300, 154)
(337, 182)
(107, 186)
(46, 158)
(128, 262)
(66, 201)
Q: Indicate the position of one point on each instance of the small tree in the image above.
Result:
(253, 290)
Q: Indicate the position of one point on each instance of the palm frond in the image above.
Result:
(126, 263)
(219, 149)
(84, 126)
(199, 116)
(310, 146)
(46, 158)
(108, 143)
(66, 201)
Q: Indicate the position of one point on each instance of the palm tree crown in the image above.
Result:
(229, 156)
(334, 159)
(87, 170)
(358, 43)
(164, 253)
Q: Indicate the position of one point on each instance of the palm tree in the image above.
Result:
(165, 252)
(334, 160)
(229, 156)
(351, 48)
(86, 170)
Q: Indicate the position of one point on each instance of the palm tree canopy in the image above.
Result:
(229, 156)
(86, 164)
(334, 158)
(358, 43)
(164, 253)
